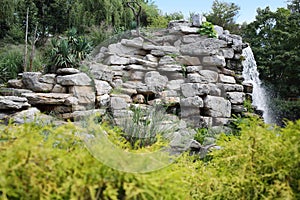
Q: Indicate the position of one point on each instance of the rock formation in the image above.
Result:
(196, 77)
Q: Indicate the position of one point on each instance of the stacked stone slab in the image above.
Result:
(196, 77)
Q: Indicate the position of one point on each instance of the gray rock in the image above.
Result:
(238, 109)
(176, 23)
(233, 88)
(198, 20)
(165, 49)
(102, 87)
(189, 30)
(67, 71)
(209, 76)
(227, 53)
(102, 72)
(137, 75)
(187, 60)
(193, 69)
(157, 53)
(85, 115)
(216, 60)
(236, 97)
(192, 38)
(145, 63)
(155, 81)
(118, 103)
(116, 60)
(71, 101)
(166, 60)
(15, 83)
(85, 94)
(135, 43)
(13, 103)
(31, 82)
(219, 30)
(170, 68)
(174, 84)
(227, 79)
(126, 97)
(135, 67)
(151, 58)
(13, 91)
(195, 101)
(194, 89)
(46, 98)
(48, 78)
(31, 115)
(80, 79)
(59, 89)
(121, 49)
(103, 100)
(217, 107)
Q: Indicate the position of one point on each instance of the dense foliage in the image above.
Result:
(40, 161)
(275, 41)
(224, 14)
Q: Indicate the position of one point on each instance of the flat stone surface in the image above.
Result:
(80, 79)
(46, 98)
(227, 79)
(13, 103)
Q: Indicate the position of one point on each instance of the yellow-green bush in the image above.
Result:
(45, 162)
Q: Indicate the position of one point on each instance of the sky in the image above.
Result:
(247, 12)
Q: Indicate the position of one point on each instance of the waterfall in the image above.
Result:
(259, 95)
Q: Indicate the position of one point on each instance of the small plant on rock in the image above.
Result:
(207, 28)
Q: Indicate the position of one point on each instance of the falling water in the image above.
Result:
(259, 94)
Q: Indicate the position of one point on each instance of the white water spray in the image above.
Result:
(259, 94)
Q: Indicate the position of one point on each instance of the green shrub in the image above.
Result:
(68, 52)
(47, 162)
(11, 62)
(207, 28)
(262, 163)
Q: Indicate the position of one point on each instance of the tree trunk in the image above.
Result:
(34, 40)
(26, 43)
(136, 12)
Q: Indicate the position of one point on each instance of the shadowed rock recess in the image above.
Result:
(195, 77)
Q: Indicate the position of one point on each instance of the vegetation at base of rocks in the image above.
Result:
(207, 28)
(48, 162)
(146, 126)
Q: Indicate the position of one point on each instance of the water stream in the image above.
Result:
(259, 95)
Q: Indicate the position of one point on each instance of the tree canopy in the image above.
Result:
(224, 14)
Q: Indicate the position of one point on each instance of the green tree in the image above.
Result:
(275, 41)
(294, 5)
(224, 14)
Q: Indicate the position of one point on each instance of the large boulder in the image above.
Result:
(217, 107)
(32, 81)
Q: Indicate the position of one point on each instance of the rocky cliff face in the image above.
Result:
(195, 77)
